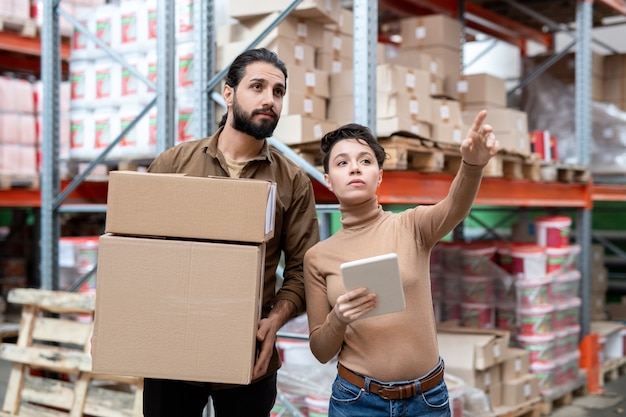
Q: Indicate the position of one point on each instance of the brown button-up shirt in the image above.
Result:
(295, 228)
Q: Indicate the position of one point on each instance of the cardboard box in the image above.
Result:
(514, 142)
(482, 380)
(296, 28)
(296, 128)
(519, 390)
(176, 205)
(431, 30)
(615, 66)
(319, 10)
(308, 80)
(502, 120)
(617, 311)
(177, 309)
(290, 51)
(451, 133)
(482, 88)
(396, 78)
(306, 104)
(329, 62)
(416, 58)
(405, 105)
(471, 348)
(516, 364)
(338, 43)
(447, 121)
(345, 22)
(597, 255)
(388, 126)
(599, 279)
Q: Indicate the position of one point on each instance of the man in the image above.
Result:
(254, 89)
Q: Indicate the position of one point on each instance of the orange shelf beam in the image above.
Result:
(476, 17)
(85, 193)
(14, 42)
(410, 187)
(617, 5)
(608, 192)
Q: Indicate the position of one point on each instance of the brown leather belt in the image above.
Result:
(394, 392)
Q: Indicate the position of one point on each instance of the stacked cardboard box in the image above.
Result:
(310, 42)
(509, 125)
(484, 360)
(179, 297)
(403, 102)
(614, 83)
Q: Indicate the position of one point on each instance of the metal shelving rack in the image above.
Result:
(401, 187)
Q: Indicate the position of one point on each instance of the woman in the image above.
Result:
(388, 364)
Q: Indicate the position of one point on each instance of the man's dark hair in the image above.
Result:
(238, 68)
(351, 131)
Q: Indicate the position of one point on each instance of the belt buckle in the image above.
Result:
(380, 389)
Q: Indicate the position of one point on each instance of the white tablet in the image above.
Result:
(381, 275)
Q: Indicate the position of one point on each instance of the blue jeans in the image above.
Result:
(348, 400)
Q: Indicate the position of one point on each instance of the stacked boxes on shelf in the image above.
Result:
(483, 359)
(312, 46)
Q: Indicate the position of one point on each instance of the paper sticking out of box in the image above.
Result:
(381, 275)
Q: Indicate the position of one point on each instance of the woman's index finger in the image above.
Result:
(478, 120)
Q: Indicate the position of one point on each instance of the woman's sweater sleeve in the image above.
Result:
(326, 331)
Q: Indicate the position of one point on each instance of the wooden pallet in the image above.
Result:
(560, 172)
(51, 371)
(612, 369)
(564, 394)
(425, 155)
(420, 155)
(29, 182)
(531, 408)
(25, 27)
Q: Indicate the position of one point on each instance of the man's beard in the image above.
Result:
(244, 123)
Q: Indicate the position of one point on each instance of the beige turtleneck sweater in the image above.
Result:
(395, 346)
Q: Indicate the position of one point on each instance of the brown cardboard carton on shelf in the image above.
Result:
(398, 78)
(483, 380)
(319, 10)
(519, 390)
(176, 205)
(329, 62)
(516, 363)
(290, 51)
(294, 128)
(292, 27)
(309, 80)
(471, 348)
(597, 255)
(404, 104)
(617, 311)
(338, 44)
(306, 104)
(431, 30)
(177, 309)
(345, 22)
(599, 279)
(447, 121)
(386, 127)
(486, 89)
